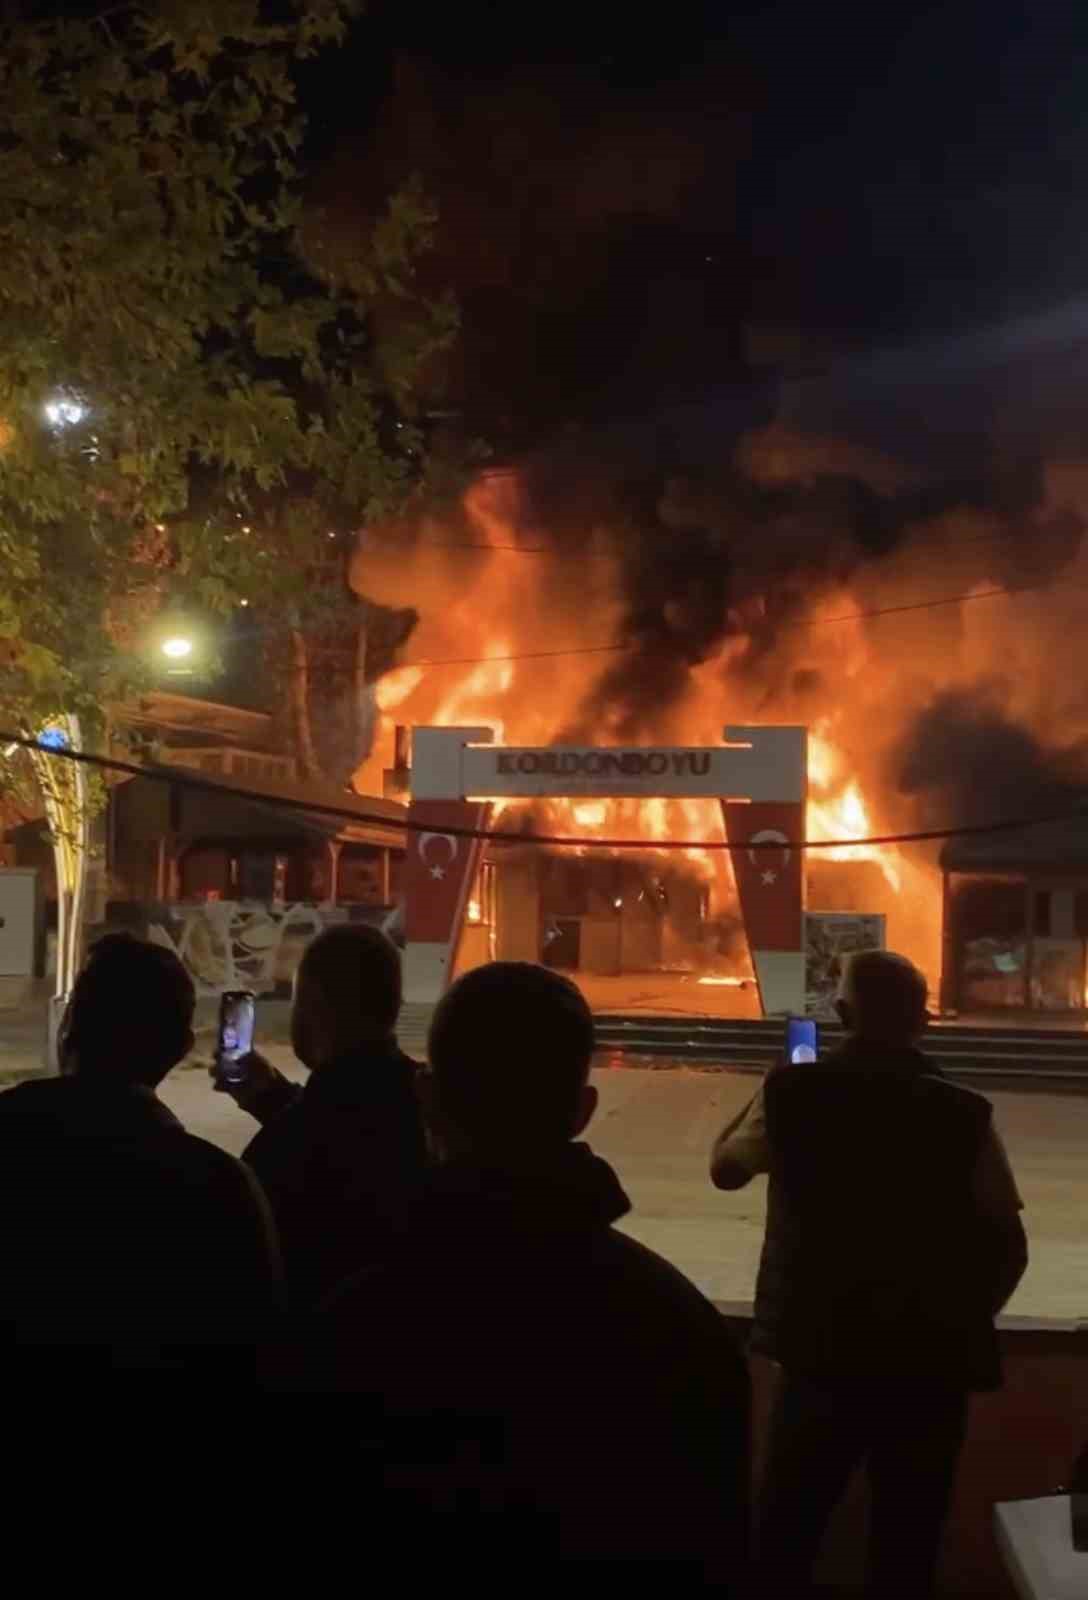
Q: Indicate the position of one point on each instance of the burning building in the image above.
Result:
(808, 584)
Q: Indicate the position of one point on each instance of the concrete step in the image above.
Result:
(967, 1051)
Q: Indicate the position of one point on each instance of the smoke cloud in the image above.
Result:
(733, 558)
(967, 761)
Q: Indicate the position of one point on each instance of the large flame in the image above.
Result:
(837, 809)
(512, 641)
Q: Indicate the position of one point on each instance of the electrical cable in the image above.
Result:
(186, 780)
(815, 622)
(618, 645)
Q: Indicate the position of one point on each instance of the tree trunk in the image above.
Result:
(299, 691)
(66, 797)
(67, 808)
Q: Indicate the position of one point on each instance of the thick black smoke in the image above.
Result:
(742, 545)
(965, 760)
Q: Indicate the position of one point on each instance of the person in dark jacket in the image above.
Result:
(128, 1244)
(340, 1158)
(548, 1390)
(893, 1239)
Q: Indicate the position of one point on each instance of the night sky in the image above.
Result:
(868, 176)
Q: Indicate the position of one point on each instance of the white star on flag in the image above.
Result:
(438, 872)
(770, 877)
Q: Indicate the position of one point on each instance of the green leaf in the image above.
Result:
(239, 363)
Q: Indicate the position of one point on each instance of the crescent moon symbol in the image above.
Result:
(769, 836)
(447, 838)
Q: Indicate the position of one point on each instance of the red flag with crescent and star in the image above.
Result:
(768, 870)
(439, 868)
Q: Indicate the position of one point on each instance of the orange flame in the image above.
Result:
(836, 810)
(480, 600)
(396, 686)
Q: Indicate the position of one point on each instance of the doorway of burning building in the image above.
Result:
(605, 912)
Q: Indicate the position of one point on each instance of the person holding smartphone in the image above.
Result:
(139, 1247)
(340, 1158)
(893, 1238)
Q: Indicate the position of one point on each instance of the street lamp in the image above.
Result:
(64, 412)
(177, 648)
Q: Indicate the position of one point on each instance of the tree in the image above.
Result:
(191, 397)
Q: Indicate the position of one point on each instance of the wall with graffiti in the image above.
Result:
(831, 938)
(227, 944)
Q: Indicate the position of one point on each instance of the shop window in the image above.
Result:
(991, 908)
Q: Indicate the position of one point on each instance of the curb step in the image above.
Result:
(1025, 1054)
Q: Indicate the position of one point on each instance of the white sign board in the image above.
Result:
(757, 764)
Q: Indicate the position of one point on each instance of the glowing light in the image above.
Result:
(177, 648)
(474, 913)
(64, 413)
(396, 686)
(53, 739)
(590, 813)
(723, 983)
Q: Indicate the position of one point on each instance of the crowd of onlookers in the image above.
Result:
(423, 1265)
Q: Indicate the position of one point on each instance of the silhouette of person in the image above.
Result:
(138, 1246)
(893, 1238)
(539, 1375)
(341, 1157)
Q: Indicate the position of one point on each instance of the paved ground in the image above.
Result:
(657, 1126)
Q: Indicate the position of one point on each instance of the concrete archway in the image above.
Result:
(759, 776)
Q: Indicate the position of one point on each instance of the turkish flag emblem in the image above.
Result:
(768, 871)
(439, 852)
(439, 868)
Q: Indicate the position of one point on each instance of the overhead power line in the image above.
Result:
(618, 645)
(814, 622)
(187, 780)
(928, 605)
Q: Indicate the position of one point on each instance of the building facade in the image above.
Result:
(1015, 925)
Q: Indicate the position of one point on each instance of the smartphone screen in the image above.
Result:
(802, 1040)
(237, 1015)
